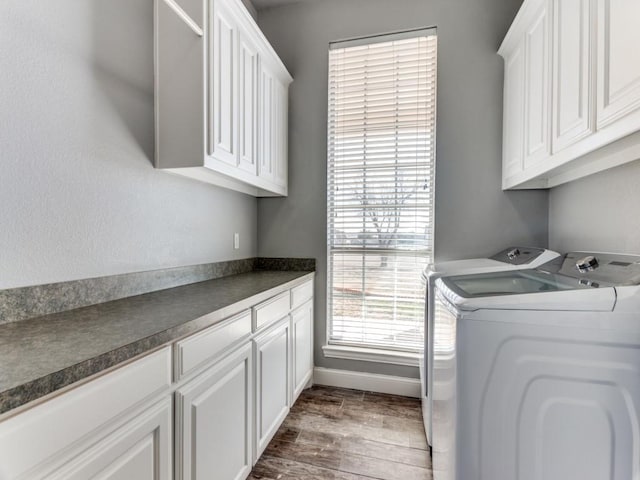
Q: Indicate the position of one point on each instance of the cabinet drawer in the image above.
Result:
(197, 349)
(272, 310)
(301, 294)
(38, 435)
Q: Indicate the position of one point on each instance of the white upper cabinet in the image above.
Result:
(526, 141)
(248, 105)
(267, 123)
(273, 126)
(618, 59)
(536, 108)
(281, 134)
(572, 80)
(513, 121)
(223, 86)
(215, 120)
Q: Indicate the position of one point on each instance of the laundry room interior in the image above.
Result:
(320, 239)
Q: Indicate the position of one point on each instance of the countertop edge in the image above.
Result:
(17, 399)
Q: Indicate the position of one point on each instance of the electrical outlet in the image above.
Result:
(236, 241)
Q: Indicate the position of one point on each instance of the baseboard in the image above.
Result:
(370, 382)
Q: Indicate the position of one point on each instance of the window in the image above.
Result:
(381, 156)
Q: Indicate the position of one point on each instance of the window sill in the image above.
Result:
(371, 355)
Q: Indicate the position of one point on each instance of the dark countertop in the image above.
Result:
(44, 354)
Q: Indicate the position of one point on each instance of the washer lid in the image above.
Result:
(513, 282)
(526, 289)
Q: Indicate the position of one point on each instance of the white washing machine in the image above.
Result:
(512, 258)
(537, 372)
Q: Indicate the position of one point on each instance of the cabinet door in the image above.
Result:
(43, 438)
(266, 154)
(281, 126)
(272, 382)
(513, 116)
(141, 449)
(618, 65)
(302, 351)
(248, 104)
(223, 92)
(573, 64)
(213, 421)
(536, 94)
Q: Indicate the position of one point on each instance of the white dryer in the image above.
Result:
(537, 372)
(512, 258)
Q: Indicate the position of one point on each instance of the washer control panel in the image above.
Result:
(518, 255)
(597, 268)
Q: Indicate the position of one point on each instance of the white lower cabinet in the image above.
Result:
(117, 426)
(272, 382)
(231, 388)
(302, 347)
(141, 449)
(214, 421)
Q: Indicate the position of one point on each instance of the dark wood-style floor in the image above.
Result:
(340, 434)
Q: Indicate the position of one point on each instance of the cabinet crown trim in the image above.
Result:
(523, 18)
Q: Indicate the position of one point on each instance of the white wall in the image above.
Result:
(79, 196)
(473, 216)
(597, 213)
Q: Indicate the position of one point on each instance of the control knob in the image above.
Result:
(587, 264)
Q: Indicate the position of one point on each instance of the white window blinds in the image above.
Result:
(381, 155)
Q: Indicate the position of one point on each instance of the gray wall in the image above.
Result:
(597, 213)
(79, 196)
(473, 216)
(251, 8)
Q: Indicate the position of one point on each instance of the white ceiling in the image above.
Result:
(260, 4)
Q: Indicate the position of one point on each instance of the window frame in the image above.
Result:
(364, 352)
